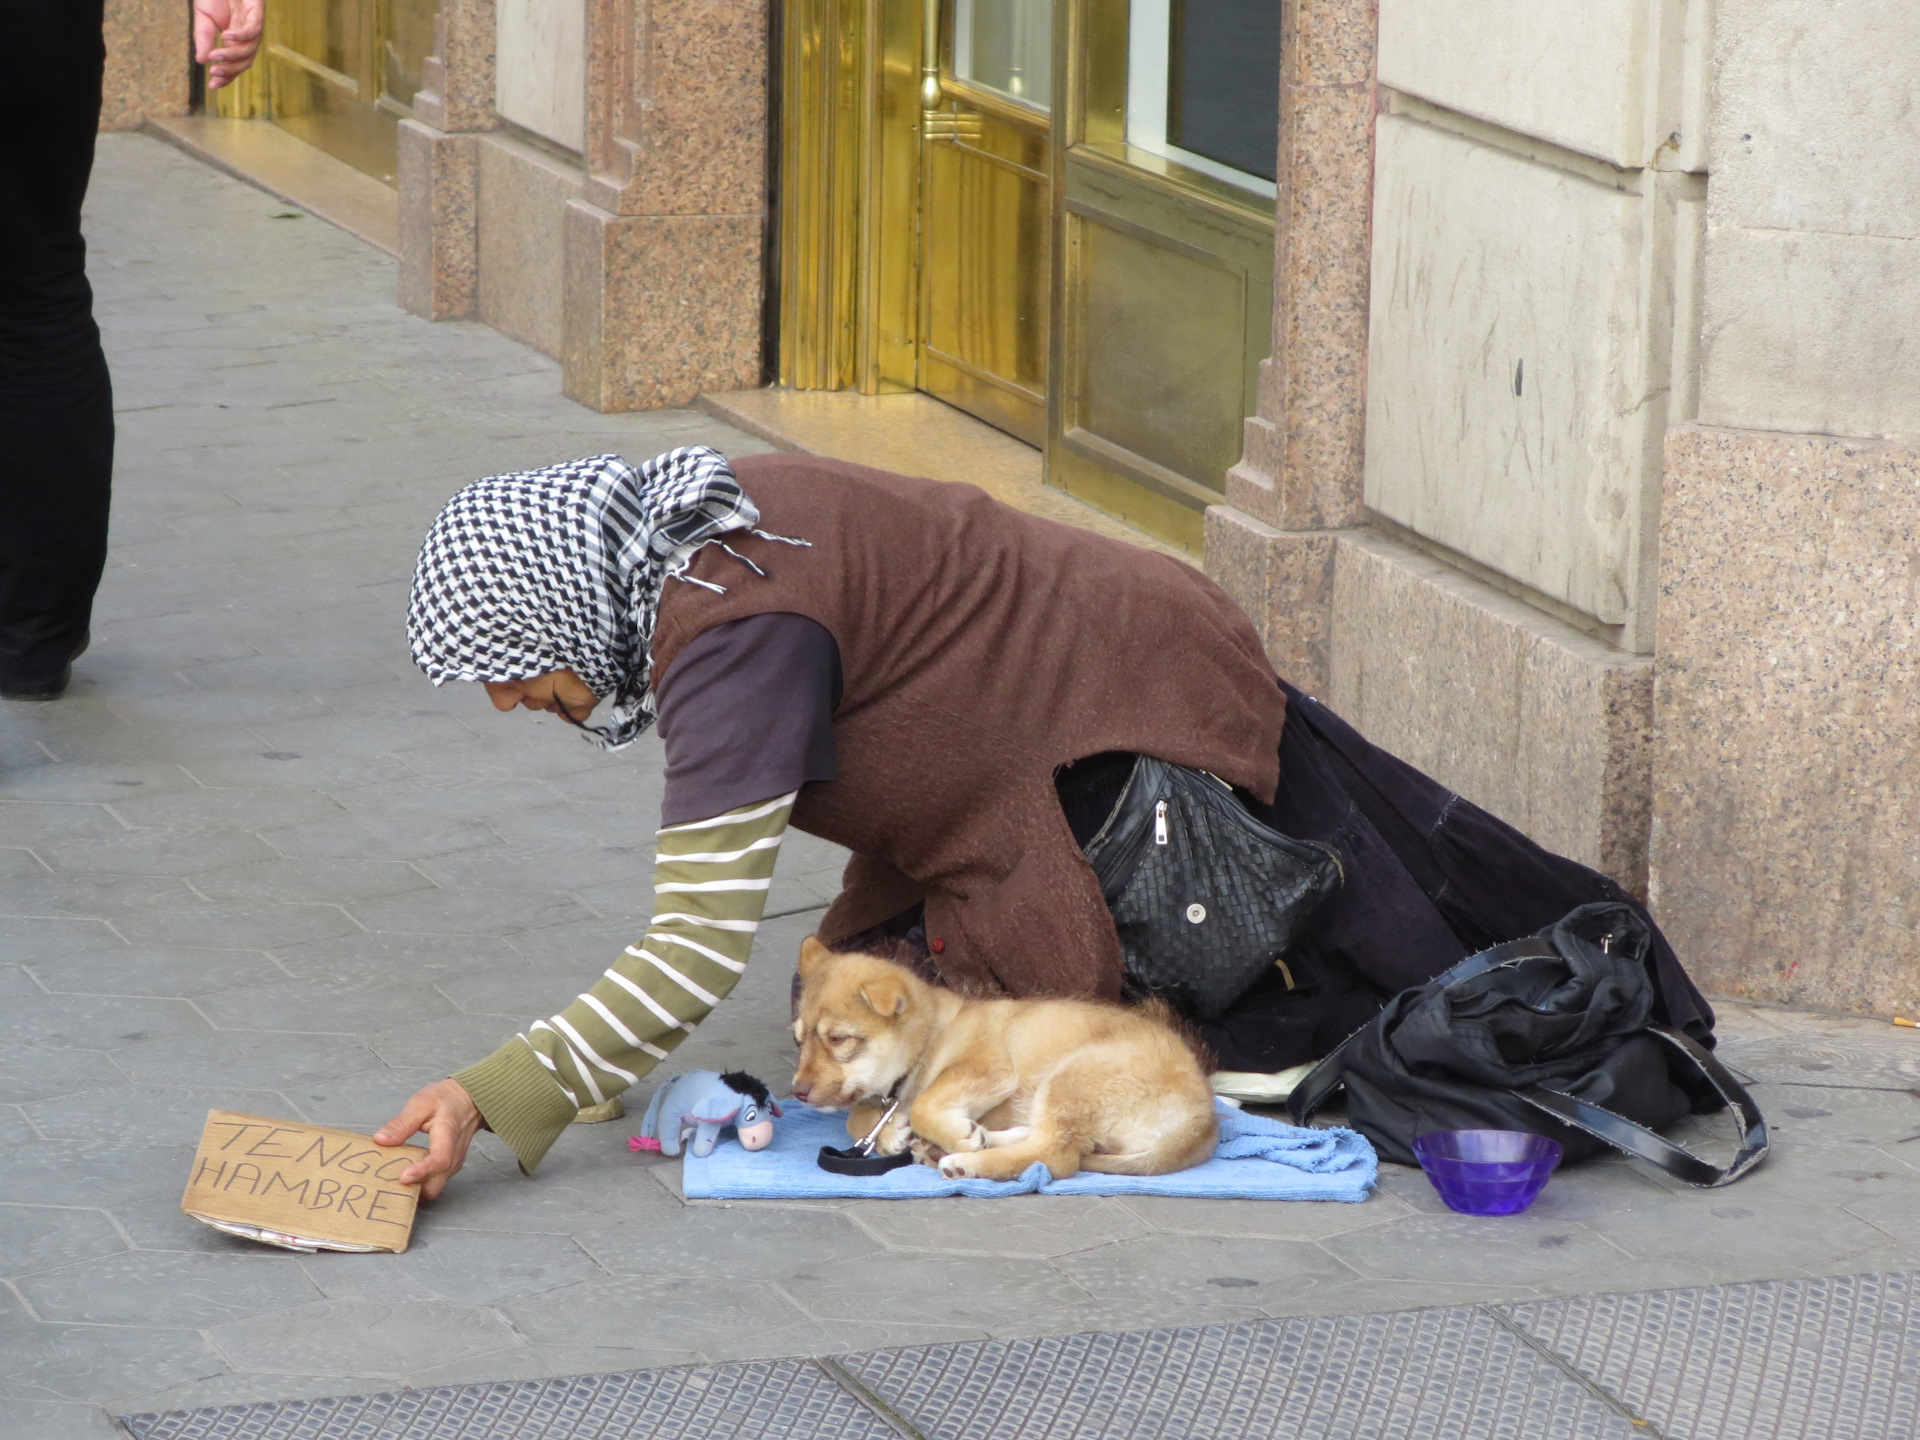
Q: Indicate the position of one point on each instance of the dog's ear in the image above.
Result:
(812, 956)
(886, 995)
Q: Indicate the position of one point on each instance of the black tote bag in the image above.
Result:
(1549, 1034)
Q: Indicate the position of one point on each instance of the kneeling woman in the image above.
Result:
(923, 675)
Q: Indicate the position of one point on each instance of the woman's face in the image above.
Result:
(560, 692)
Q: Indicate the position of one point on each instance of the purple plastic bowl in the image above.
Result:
(1487, 1172)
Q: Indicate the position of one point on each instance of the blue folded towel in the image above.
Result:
(1258, 1159)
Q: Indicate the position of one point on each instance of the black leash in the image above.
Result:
(859, 1159)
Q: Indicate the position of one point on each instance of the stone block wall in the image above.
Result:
(1514, 393)
(540, 68)
(1813, 220)
(521, 199)
(1535, 203)
(1544, 726)
(439, 180)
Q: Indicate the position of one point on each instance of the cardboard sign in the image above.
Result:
(301, 1186)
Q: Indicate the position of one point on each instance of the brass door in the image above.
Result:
(340, 74)
(985, 212)
(1077, 248)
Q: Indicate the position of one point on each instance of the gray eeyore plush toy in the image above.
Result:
(701, 1103)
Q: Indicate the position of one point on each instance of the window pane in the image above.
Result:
(1223, 82)
(1006, 45)
(406, 39)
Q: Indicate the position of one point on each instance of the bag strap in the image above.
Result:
(1643, 1144)
(1321, 1081)
(1527, 947)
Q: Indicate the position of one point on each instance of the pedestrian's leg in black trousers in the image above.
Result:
(56, 404)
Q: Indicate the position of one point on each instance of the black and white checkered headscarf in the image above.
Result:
(562, 568)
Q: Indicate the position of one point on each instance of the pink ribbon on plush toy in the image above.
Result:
(647, 1143)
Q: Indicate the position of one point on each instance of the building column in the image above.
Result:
(665, 247)
(149, 62)
(1298, 482)
(439, 164)
(439, 230)
(1787, 730)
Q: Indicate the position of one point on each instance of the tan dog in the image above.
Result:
(998, 1084)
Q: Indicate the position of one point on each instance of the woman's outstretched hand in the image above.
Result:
(447, 1113)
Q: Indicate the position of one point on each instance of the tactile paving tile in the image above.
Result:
(775, 1400)
(1414, 1374)
(1836, 1359)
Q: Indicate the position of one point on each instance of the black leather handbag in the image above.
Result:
(1551, 1034)
(1204, 896)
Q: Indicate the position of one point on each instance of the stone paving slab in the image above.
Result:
(777, 1400)
(1834, 1358)
(1774, 1361)
(1415, 1374)
(255, 860)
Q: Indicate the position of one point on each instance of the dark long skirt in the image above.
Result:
(1430, 879)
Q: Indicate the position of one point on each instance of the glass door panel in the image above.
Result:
(1203, 86)
(341, 73)
(1006, 46)
(1223, 83)
(406, 39)
(1165, 307)
(929, 169)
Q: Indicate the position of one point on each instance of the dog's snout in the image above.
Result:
(801, 1092)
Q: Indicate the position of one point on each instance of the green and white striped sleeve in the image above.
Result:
(710, 890)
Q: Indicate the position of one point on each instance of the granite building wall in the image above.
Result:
(1585, 472)
(1446, 511)
(1786, 766)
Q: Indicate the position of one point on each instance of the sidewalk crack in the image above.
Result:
(855, 1387)
(1574, 1373)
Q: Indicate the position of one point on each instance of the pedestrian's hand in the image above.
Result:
(447, 1113)
(226, 36)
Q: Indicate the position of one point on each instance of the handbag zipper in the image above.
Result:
(1160, 823)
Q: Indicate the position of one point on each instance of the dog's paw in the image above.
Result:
(894, 1137)
(975, 1138)
(957, 1167)
(1012, 1135)
(926, 1152)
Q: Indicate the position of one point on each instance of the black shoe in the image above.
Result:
(37, 687)
(44, 687)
